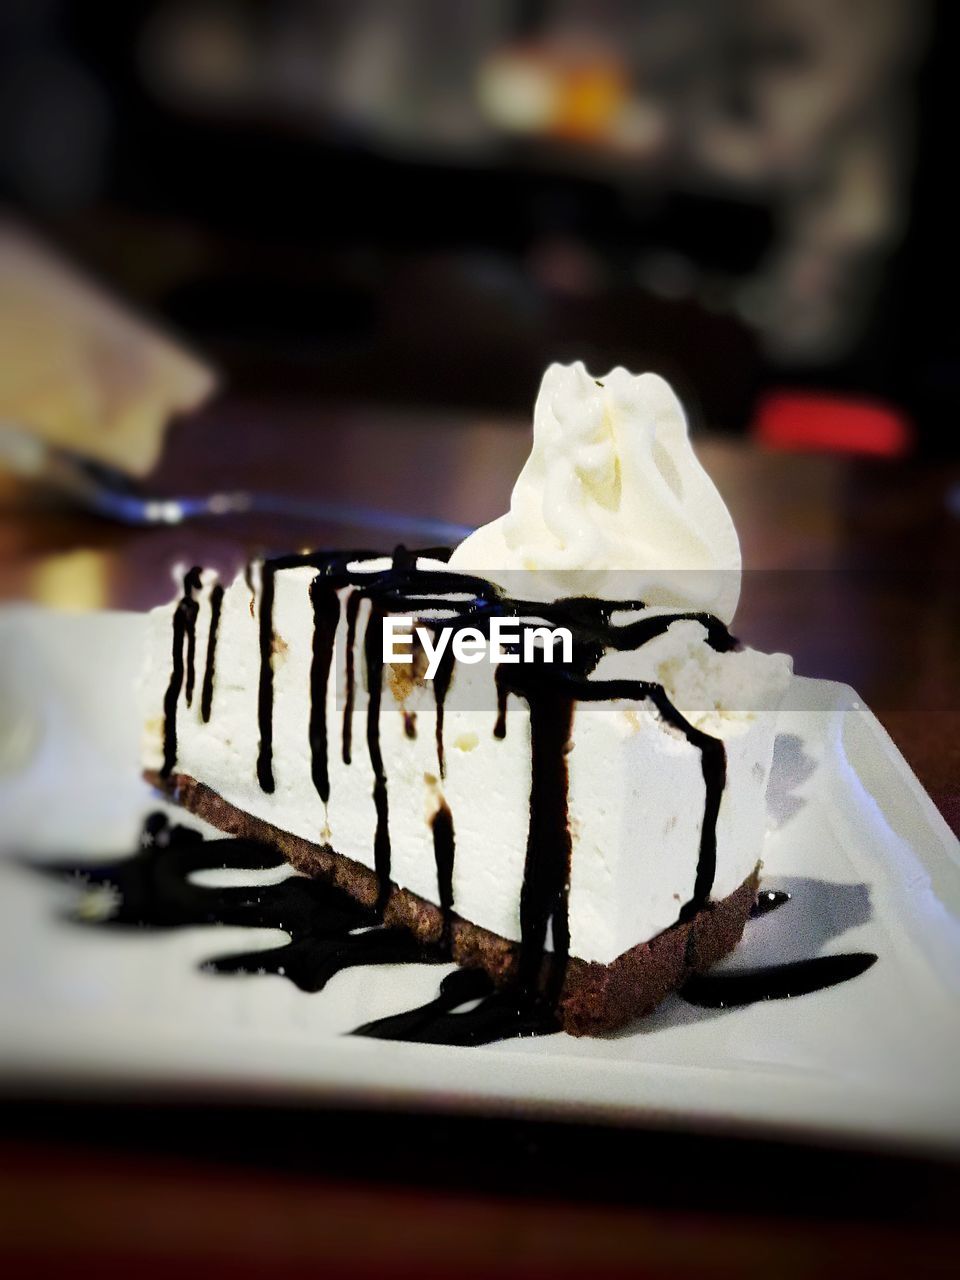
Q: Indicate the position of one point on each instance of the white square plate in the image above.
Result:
(869, 861)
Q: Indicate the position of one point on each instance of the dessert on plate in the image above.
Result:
(543, 753)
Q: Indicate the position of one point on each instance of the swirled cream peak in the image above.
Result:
(611, 502)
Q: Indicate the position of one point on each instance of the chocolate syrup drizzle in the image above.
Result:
(326, 616)
(497, 1015)
(441, 683)
(551, 691)
(373, 658)
(546, 871)
(206, 696)
(353, 608)
(265, 687)
(503, 693)
(443, 852)
(184, 631)
(191, 585)
(329, 930)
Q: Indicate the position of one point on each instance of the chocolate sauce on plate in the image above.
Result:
(768, 900)
(729, 989)
(329, 931)
(497, 1015)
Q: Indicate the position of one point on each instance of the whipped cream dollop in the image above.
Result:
(611, 502)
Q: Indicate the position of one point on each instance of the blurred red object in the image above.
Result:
(815, 421)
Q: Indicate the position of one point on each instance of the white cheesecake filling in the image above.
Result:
(636, 790)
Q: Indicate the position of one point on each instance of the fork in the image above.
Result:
(106, 491)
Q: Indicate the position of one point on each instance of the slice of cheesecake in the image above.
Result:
(588, 828)
(575, 811)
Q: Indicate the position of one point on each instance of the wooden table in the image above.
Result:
(853, 569)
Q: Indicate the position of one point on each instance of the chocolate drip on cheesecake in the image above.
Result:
(503, 693)
(209, 667)
(441, 683)
(444, 852)
(373, 657)
(265, 689)
(546, 873)
(353, 608)
(326, 616)
(191, 585)
(184, 623)
(248, 579)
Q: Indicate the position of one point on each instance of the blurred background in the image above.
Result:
(424, 202)
(320, 252)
